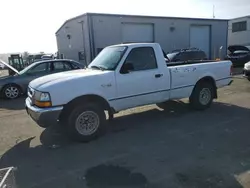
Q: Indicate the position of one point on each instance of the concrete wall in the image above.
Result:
(107, 31)
(241, 37)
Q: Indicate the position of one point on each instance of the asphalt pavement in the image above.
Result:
(143, 147)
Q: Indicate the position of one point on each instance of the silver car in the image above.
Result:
(12, 87)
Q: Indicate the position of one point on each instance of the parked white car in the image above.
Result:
(121, 77)
(246, 70)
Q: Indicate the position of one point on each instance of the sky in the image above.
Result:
(30, 25)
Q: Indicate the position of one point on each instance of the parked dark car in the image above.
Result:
(13, 86)
(239, 55)
(185, 55)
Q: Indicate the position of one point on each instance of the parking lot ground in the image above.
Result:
(143, 147)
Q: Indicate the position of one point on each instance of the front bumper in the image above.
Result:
(44, 117)
(246, 73)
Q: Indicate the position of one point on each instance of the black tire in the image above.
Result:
(197, 101)
(11, 87)
(72, 127)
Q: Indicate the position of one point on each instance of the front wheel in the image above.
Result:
(202, 96)
(11, 91)
(86, 122)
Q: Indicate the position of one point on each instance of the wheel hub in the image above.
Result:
(11, 92)
(205, 96)
(87, 123)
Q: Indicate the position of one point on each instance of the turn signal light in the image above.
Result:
(43, 104)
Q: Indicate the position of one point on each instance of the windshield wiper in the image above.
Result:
(98, 67)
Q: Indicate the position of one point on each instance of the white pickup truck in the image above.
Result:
(121, 77)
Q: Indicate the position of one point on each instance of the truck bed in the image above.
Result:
(188, 62)
(185, 75)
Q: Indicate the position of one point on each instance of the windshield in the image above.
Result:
(108, 58)
(26, 69)
(171, 56)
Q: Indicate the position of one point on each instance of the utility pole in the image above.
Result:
(213, 12)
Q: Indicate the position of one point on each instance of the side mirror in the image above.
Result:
(127, 67)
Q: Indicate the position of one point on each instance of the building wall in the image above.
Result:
(107, 31)
(79, 40)
(241, 37)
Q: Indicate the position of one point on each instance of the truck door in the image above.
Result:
(140, 81)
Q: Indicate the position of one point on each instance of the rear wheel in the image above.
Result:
(11, 91)
(86, 123)
(202, 96)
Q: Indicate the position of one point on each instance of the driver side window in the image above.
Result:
(142, 58)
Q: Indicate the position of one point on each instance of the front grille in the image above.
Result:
(31, 93)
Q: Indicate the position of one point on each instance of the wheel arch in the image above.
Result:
(9, 84)
(83, 99)
(207, 79)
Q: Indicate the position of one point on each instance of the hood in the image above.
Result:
(9, 66)
(44, 82)
(234, 48)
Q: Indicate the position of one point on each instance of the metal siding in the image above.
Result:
(200, 38)
(107, 30)
(78, 41)
(219, 38)
(133, 32)
(239, 38)
(168, 39)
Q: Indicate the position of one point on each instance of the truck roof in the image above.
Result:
(135, 44)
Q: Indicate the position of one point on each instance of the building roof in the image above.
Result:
(141, 16)
(248, 16)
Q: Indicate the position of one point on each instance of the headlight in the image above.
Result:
(42, 99)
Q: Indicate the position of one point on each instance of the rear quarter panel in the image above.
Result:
(185, 77)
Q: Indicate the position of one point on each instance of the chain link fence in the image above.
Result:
(7, 178)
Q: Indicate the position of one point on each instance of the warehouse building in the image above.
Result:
(83, 37)
(239, 31)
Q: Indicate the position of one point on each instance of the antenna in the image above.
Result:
(213, 11)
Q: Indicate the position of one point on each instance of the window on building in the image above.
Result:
(239, 26)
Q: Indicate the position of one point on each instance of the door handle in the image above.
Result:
(158, 75)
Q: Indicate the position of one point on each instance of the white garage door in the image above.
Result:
(200, 38)
(132, 32)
